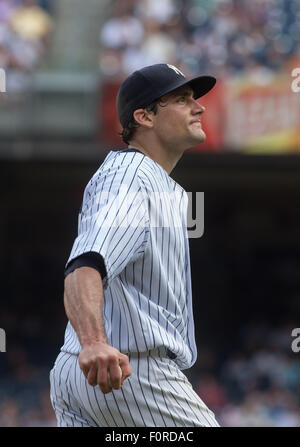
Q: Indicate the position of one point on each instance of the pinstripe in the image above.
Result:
(126, 348)
(202, 410)
(99, 408)
(109, 410)
(125, 217)
(168, 272)
(153, 394)
(128, 407)
(101, 190)
(127, 243)
(136, 402)
(116, 403)
(137, 405)
(53, 395)
(182, 319)
(173, 394)
(65, 412)
(110, 208)
(91, 409)
(139, 316)
(132, 324)
(142, 287)
(152, 412)
(71, 388)
(99, 201)
(70, 404)
(167, 292)
(170, 385)
(150, 174)
(62, 367)
(81, 382)
(192, 397)
(159, 328)
(167, 406)
(109, 190)
(69, 396)
(81, 415)
(151, 270)
(195, 399)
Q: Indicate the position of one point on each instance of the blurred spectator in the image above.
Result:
(159, 11)
(24, 391)
(7, 8)
(273, 408)
(9, 413)
(211, 392)
(25, 29)
(122, 29)
(223, 37)
(256, 390)
(30, 21)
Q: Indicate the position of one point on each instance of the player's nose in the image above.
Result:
(197, 107)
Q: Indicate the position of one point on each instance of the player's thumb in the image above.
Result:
(125, 367)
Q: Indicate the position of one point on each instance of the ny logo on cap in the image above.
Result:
(176, 70)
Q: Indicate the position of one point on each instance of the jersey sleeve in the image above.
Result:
(113, 220)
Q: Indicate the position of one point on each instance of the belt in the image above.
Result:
(161, 352)
(171, 354)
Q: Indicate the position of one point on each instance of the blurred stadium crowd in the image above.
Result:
(220, 37)
(25, 29)
(258, 384)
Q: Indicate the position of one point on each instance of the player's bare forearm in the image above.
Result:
(83, 299)
(101, 363)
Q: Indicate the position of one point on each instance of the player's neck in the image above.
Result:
(164, 158)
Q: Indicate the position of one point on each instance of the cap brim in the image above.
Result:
(202, 85)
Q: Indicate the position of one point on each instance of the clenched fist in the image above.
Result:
(104, 365)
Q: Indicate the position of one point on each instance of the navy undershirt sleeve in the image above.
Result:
(89, 259)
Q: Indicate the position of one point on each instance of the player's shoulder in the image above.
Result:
(118, 168)
(122, 160)
(132, 166)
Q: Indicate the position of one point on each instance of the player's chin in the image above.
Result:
(199, 137)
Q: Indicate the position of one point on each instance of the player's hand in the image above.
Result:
(104, 365)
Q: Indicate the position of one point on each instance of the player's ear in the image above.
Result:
(143, 118)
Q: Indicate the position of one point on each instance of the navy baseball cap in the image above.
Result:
(146, 85)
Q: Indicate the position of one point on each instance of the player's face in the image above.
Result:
(178, 121)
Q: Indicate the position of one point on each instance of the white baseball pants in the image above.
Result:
(157, 394)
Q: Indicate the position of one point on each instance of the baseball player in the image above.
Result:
(127, 281)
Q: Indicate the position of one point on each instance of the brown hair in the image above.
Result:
(129, 130)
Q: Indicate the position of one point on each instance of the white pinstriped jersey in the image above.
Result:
(134, 215)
